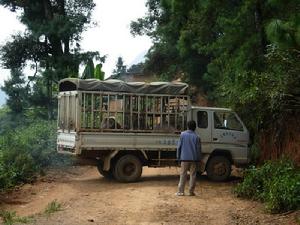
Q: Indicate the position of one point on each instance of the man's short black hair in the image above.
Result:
(191, 125)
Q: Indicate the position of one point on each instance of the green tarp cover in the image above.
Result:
(169, 88)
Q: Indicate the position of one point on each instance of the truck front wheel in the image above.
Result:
(218, 168)
(128, 168)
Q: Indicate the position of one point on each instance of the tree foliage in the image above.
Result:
(52, 36)
(243, 54)
(16, 91)
(98, 73)
(93, 72)
(120, 67)
(51, 42)
(26, 151)
(136, 68)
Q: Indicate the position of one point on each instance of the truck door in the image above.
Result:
(229, 133)
(203, 129)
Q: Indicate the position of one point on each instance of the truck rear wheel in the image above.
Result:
(218, 168)
(128, 168)
(107, 174)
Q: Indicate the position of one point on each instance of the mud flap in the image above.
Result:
(107, 160)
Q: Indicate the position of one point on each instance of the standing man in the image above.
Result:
(189, 155)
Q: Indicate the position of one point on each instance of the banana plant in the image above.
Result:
(92, 72)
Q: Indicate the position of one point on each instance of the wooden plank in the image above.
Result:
(92, 111)
(139, 108)
(84, 114)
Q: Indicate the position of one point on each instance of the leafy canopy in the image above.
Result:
(50, 44)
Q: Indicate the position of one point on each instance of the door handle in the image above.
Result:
(215, 139)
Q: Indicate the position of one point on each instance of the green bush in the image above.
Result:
(10, 218)
(25, 151)
(53, 207)
(275, 183)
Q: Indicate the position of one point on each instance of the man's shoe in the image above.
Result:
(192, 194)
(179, 194)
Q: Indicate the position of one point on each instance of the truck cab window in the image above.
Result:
(202, 119)
(227, 121)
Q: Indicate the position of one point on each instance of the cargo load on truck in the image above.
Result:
(114, 105)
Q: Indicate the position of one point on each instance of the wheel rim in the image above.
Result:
(220, 169)
(129, 169)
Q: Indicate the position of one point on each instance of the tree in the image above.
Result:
(99, 74)
(120, 67)
(243, 54)
(220, 46)
(16, 90)
(136, 68)
(51, 41)
(91, 72)
(168, 23)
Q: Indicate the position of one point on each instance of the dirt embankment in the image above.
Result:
(88, 198)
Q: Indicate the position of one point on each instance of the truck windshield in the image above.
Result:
(227, 120)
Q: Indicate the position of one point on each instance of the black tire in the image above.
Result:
(218, 168)
(127, 169)
(106, 174)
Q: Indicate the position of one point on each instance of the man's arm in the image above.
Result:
(199, 147)
(179, 145)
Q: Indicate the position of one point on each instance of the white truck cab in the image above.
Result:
(224, 138)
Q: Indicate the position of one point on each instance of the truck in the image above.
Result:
(123, 126)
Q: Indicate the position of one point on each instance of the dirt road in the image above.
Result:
(88, 198)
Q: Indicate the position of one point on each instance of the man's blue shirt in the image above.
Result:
(189, 146)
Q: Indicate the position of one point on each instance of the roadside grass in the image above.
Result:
(25, 152)
(276, 183)
(53, 207)
(10, 218)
